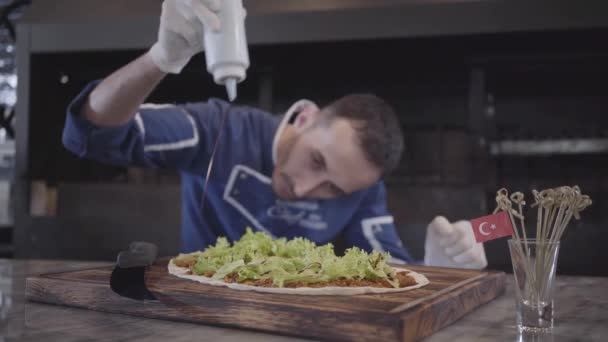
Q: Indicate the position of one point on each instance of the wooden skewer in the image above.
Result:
(518, 198)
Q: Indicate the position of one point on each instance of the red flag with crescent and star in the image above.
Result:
(492, 226)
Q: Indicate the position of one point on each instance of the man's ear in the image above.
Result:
(308, 115)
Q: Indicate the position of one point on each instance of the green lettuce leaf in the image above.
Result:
(256, 256)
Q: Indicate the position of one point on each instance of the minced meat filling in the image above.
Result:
(185, 262)
(404, 281)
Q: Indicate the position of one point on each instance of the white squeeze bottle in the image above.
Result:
(226, 50)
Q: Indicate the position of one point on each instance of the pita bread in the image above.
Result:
(182, 272)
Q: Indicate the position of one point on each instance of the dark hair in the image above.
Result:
(379, 130)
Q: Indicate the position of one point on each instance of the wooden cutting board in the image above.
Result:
(405, 316)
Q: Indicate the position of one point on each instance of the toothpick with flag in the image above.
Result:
(492, 226)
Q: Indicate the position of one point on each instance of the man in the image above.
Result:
(316, 172)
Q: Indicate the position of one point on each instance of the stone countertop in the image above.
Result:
(581, 315)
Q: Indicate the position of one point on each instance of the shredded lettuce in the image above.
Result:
(256, 256)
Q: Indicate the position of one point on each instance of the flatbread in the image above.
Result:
(182, 272)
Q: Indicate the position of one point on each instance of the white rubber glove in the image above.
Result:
(453, 245)
(180, 36)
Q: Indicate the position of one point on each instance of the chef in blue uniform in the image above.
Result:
(314, 172)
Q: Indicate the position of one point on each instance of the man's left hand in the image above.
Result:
(453, 245)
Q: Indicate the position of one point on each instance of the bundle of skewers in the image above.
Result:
(555, 209)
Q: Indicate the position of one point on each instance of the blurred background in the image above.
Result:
(490, 94)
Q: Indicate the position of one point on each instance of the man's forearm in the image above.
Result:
(117, 98)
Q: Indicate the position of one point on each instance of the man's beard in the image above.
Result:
(282, 184)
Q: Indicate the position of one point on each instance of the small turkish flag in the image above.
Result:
(492, 226)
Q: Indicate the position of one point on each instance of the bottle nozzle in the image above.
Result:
(230, 84)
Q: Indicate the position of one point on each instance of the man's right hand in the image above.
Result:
(180, 36)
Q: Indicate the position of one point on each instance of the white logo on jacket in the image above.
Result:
(304, 213)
